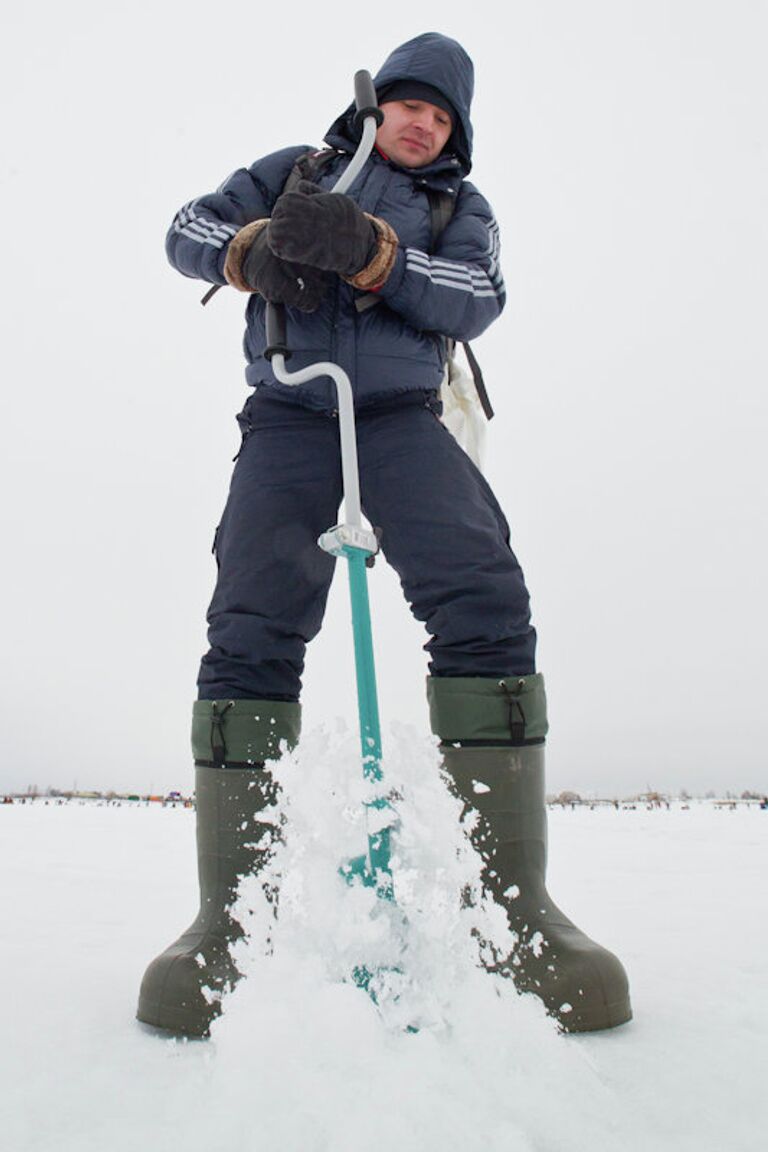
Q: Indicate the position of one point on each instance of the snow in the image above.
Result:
(302, 1059)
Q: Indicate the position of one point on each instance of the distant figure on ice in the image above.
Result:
(380, 281)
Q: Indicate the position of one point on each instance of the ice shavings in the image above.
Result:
(419, 948)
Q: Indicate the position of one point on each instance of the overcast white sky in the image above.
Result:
(622, 144)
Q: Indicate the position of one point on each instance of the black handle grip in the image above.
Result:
(365, 100)
(276, 333)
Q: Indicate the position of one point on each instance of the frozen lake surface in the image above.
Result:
(302, 1062)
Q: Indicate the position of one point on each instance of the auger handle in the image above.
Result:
(277, 341)
(365, 100)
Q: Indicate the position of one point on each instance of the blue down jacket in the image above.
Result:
(457, 290)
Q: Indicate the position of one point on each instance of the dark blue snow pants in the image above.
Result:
(442, 531)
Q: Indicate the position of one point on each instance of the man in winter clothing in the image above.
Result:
(363, 288)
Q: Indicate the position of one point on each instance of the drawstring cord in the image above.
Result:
(516, 725)
(218, 745)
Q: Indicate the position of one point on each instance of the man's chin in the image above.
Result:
(411, 157)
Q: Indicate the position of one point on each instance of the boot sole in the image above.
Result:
(174, 1021)
(598, 1020)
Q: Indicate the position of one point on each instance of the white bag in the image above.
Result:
(463, 413)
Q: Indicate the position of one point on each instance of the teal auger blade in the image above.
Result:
(359, 870)
(378, 861)
(371, 982)
(374, 869)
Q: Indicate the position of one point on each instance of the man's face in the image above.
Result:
(413, 133)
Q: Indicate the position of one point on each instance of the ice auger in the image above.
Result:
(351, 540)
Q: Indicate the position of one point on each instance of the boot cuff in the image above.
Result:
(478, 709)
(243, 732)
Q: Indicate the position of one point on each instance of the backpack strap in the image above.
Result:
(210, 294)
(477, 376)
(308, 166)
(441, 208)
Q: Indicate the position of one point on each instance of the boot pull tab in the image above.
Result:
(517, 719)
(218, 745)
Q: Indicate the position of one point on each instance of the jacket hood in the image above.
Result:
(431, 59)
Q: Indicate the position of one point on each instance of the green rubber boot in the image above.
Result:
(492, 736)
(231, 742)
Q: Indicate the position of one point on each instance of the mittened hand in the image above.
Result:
(281, 281)
(251, 266)
(324, 229)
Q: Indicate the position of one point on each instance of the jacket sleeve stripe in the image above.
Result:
(448, 268)
(215, 233)
(448, 274)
